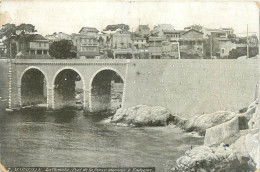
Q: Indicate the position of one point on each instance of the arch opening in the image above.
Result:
(106, 91)
(33, 88)
(68, 90)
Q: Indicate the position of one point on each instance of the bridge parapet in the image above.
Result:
(71, 61)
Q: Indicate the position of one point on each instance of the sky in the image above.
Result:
(69, 16)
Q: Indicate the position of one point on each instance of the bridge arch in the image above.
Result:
(91, 89)
(76, 71)
(22, 85)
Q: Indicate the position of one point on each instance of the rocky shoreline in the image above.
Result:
(230, 138)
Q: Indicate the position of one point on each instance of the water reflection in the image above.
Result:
(73, 138)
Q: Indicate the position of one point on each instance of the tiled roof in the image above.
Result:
(89, 29)
(192, 30)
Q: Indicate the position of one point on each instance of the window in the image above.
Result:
(32, 51)
(40, 44)
(222, 50)
(44, 51)
(39, 51)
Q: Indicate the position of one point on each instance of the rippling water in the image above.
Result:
(72, 138)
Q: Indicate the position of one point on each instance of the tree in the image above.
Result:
(26, 28)
(196, 27)
(9, 33)
(62, 49)
(118, 26)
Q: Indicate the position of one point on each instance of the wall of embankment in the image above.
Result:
(4, 78)
(192, 87)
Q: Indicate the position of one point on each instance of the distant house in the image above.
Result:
(225, 45)
(191, 42)
(170, 50)
(121, 44)
(159, 30)
(86, 42)
(87, 46)
(89, 31)
(207, 32)
(121, 40)
(155, 47)
(140, 42)
(142, 30)
(171, 35)
(229, 31)
(31, 46)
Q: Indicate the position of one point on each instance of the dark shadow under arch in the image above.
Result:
(106, 91)
(68, 90)
(33, 88)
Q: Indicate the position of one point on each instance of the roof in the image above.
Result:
(215, 30)
(31, 37)
(138, 38)
(173, 31)
(192, 30)
(37, 37)
(144, 27)
(155, 39)
(226, 28)
(89, 29)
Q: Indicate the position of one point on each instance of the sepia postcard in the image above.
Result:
(129, 86)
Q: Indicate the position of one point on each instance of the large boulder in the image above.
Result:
(204, 158)
(217, 134)
(143, 115)
(252, 148)
(247, 148)
(205, 121)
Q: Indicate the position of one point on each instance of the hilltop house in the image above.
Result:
(191, 43)
(142, 30)
(155, 47)
(161, 29)
(86, 42)
(31, 46)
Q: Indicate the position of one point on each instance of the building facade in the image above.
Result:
(155, 47)
(191, 43)
(140, 42)
(87, 46)
(86, 42)
(31, 46)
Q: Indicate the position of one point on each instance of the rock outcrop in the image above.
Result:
(143, 115)
(203, 122)
(217, 134)
(239, 150)
(207, 159)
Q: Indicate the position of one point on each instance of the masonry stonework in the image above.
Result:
(185, 87)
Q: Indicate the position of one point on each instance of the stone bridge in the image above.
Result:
(185, 86)
(86, 69)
